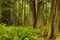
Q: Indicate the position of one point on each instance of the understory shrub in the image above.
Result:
(18, 33)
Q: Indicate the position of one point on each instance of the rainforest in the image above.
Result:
(29, 19)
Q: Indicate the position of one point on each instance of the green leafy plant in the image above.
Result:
(18, 32)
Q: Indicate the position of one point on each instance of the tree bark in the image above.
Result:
(40, 13)
(33, 18)
(20, 13)
(53, 21)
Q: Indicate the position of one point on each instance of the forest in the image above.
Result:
(29, 19)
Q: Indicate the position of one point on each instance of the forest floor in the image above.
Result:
(22, 33)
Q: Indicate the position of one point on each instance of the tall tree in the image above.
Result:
(40, 13)
(20, 12)
(13, 12)
(33, 18)
(53, 22)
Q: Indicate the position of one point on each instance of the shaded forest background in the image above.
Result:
(41, 14)
(24, 12)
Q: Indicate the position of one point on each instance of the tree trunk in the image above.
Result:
(33, 18)
(53, 22)
(40, 13)
(20, 12)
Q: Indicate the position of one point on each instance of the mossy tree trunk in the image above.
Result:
(54, 19)
(20, 12)
(40, 13)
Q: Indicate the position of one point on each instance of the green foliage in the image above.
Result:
(18, 33)
(58, 36)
